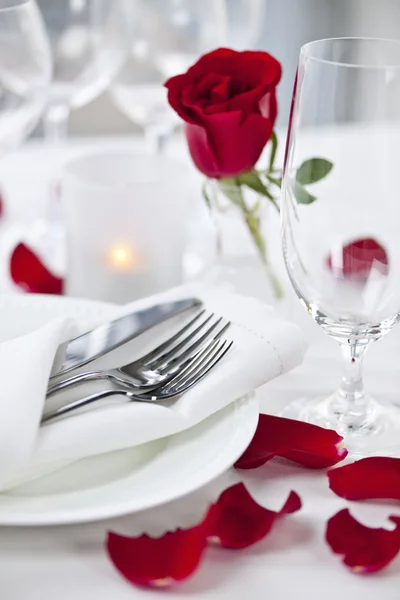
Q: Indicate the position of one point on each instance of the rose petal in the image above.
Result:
(358, 258)
(365, 549)
(367, 479)
(158, 562)
(29, 273)
(224, 147)
(301, 442)
(237, 521)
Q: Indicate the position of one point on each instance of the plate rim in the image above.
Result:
(247, 405)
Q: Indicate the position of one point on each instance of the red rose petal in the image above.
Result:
(357, 259)
(367, 479)
(234, 521)
(301, 442)
(29, 273)
(237, 521)
(365, 549)
(158, 562)
(224, 147)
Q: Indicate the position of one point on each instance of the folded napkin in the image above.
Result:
(265, 346)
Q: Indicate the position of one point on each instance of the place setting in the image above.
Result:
(163, 392)
(175, 304)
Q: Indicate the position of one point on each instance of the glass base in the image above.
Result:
(378, 433)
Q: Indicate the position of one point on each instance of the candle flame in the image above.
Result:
(123, 257)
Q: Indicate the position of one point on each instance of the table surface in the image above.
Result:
(293, 562)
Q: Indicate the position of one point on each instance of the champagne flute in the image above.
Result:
(168, 36)
(341, 221)
(88, 42)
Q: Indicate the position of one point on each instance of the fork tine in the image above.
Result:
(183, 374)
(169, 354)
(205, 366)
(179, 364)
(177, 357)
(165, 345)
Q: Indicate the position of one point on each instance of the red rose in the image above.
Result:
(229, 104)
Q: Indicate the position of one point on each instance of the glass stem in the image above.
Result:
(55, 123)
(351, 405)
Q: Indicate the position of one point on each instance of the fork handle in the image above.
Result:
(83, 377)
(63, 410)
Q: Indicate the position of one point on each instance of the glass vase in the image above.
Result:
(242, 258)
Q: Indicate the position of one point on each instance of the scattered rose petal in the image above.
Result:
(30, 274)
(237, 521)
(358, 258)
(158, 562)
(309, 445)
(365, 549)
(367, 479)
(234, 521)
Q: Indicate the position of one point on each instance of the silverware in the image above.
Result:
(161, 364)
(87, 347)
(204, 362)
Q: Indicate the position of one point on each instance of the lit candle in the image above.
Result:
(125, 218)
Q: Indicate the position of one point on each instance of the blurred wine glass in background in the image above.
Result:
(167, 37)
(88, 42)
(25, 70)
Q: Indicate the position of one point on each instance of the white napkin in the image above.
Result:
(265, 346)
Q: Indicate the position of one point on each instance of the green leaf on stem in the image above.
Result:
(301, 194)
(313, 170)
(252, 180)
(274, 148)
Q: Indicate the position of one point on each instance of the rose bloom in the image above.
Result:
(228, 102)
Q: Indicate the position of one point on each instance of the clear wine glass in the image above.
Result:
(167, 37)
(88, 42)
(25, 70)
(341, 220)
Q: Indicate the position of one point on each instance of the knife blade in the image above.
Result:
(91, 345)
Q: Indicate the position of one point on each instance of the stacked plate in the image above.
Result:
(129, 480)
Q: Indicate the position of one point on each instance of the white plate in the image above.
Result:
(129, 480)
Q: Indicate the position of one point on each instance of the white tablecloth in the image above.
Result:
(292, 563)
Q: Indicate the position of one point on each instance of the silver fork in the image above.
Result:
(158, 366)
(205, 361)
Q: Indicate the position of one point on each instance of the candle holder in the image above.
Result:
(125, 218)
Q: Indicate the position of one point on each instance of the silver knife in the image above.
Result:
(87, 347)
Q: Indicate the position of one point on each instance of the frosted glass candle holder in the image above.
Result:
(125, 217)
